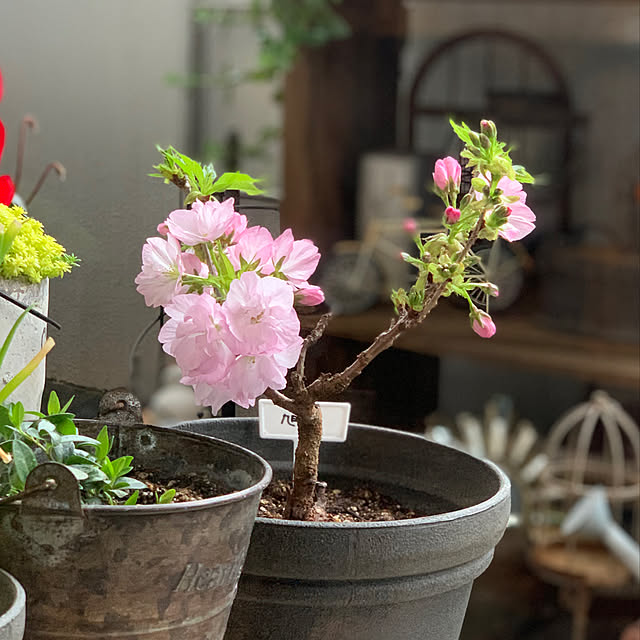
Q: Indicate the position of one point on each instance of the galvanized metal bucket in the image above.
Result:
(398, 580)
(145, 572)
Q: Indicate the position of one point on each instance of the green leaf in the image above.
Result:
(127, 482)
(121, 466)
(522, 175)
(77, 438)
(77, 456)
(133, 498)
(62, 452)
(47, 428)
(166, 497)
(67, 405)
(107, 467)
(91, 473)
(64, 424)
(53, 405)
(237, 181)
(462, 131)
(80, 474)
(17, 414)
(24, 459)
(102, 451)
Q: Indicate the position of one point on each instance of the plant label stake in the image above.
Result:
(279, 424)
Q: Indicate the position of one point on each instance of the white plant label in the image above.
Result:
(277, 423)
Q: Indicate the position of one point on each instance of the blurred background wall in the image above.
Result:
(94, 75)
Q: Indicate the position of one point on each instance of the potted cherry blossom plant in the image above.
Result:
(230, 292)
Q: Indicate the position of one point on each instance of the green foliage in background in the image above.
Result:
(283, 28)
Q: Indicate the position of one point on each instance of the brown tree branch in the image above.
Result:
(278, 398)
(336, 383)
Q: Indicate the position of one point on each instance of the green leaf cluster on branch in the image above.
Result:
(200, 181)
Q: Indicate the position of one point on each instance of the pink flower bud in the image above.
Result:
(447, 174)
(483, 325)
(452, 215)
(488, 128)
(163, 228)
(410, 225)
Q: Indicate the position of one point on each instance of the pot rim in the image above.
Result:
(19, 600)
(503, 493)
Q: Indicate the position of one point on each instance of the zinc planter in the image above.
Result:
(28, 340)
(399, 580)
(144, 572)
(12, 607)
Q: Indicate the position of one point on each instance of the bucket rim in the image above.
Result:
(256, 488)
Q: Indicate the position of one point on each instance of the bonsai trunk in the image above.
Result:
(301, 504)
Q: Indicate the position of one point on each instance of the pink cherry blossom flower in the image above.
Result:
(246, 378)
(162, 268)
(297, 259)
(237, 224)
(204, 222)
(452, 215)
(521, 219)
(260, 314)
(308, 294)
(254, 245)
(207, 395)
(483, 325)
(194, 336)
(447, 174)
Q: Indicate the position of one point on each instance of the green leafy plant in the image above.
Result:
(29, 438)
(26, 251)
(54, 437)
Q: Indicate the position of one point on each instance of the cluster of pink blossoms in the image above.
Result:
(229, 292)
(520, 219)
(516, 219)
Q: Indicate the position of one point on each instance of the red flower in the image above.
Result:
(7, 190)
(6, 183)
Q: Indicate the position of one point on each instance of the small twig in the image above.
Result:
(59, 169)
(28, 122)
(48, 485)
(313, 337)
(34, 312)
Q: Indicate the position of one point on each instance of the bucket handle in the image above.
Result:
(52, 487)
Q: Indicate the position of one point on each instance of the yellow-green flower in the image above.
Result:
(33, 255)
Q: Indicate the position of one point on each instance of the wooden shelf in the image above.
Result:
(521, 341)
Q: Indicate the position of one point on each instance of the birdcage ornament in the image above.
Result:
(595, 444)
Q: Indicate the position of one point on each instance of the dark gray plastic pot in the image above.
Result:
(399, 580)
(12, 607)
